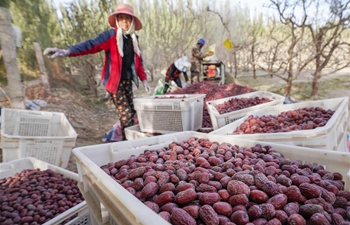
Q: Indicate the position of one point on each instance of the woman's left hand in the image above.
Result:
(147, 87)
(56, 52)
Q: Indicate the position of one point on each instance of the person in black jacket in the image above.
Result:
(174, 71)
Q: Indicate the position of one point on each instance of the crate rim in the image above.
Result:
(189, 97)
(126, 145)
(68, 213)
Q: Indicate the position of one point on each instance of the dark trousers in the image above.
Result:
(123, 101)
(177, 81)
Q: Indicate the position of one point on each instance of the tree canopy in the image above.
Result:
(296, 37)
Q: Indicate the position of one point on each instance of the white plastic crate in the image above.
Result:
(219, 120)
(111, 203)
(94, 221)
(81, 210)
(328, 137)
(342, 144)
(47, 136)
(134, 132)
(170, 114)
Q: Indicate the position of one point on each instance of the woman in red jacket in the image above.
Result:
(123, 62)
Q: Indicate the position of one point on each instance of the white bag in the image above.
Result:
(158, 90)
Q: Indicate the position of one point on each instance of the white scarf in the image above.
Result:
(120, 42)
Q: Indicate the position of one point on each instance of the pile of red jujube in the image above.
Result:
(205, 130)
(235, 104)
(298, 119)
(197, 182)
(213, 92)
(35, 197)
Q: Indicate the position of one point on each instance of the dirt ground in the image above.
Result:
(91, 117)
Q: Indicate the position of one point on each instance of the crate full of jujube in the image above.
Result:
(35, 192)
(226, 110)
(195, 178)
(318, 124)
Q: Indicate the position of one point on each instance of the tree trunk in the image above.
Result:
(92, 85)
(39, 57)
(289, 86)
(235, 63)
(315, 84)
(91, 78)
(253, 61)
(152, 73)
(289, 79)
(15, 86)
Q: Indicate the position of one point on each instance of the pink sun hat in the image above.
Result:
(124, 9)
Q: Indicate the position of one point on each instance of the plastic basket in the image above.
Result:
(134, 132)
(328, 137)
(47, 136)
(9, 169)
(111, 203)
(170, 115)
(219, 120)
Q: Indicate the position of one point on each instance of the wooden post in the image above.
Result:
(15, 86)
(39, 57)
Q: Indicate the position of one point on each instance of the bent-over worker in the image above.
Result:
(174, 71)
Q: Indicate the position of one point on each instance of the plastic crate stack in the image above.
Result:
(166, 114)
(40, 140)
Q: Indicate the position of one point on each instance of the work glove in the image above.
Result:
(147, 87)
(56, 52)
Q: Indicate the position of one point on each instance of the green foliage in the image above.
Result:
(38, 22)
(5, 3)
(83, 20)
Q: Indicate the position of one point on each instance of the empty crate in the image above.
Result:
(47, 136)
(170, 113)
